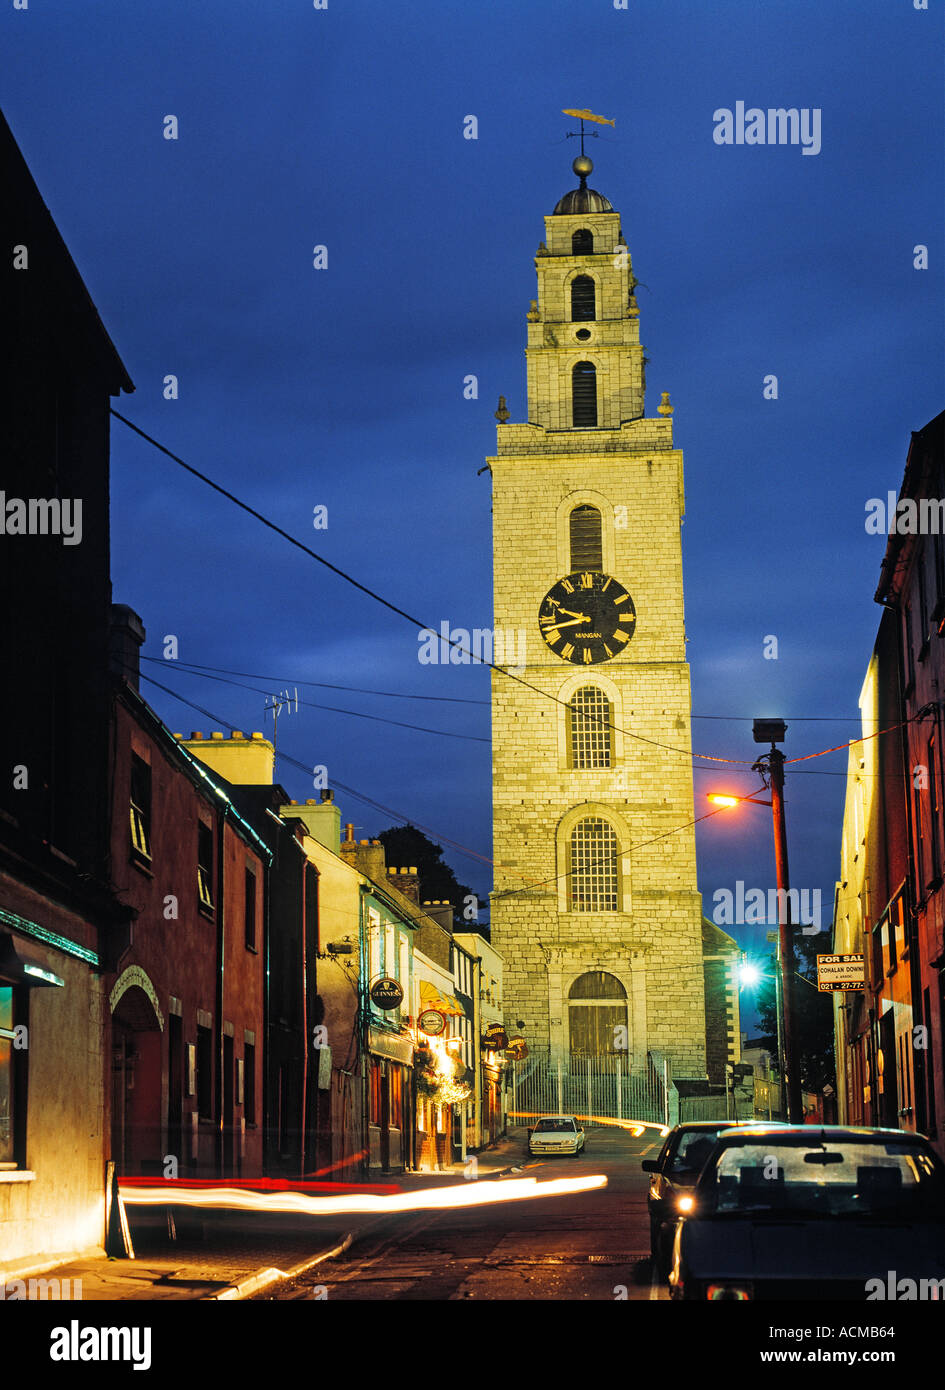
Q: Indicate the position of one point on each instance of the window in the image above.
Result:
(377, 1090)
(249, 1083)
(205, 866)
(935, 830)
(590, 724)
(918, 837)
(910, 654)
(593, 874)
(396, 1097)
(584, 394)
(582, 243)
(584, 527)
(8, 1076)
(250, 910)
(583, 297)
(204, 1072)
(140, 808)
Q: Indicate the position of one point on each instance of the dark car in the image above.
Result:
(813, 1212)
(686, 1148)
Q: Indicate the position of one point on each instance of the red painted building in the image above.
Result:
(890, 901)
(186, 991)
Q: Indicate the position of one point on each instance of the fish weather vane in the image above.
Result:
(582, 117)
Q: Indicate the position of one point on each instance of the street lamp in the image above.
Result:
(751, 975)
(771, 767)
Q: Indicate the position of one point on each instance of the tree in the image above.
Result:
(813, 1015)
(406, 846)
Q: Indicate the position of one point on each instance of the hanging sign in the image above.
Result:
(386, 993)
(432, 1022)
(841, 972)
(495, 1038)
(516, 1049)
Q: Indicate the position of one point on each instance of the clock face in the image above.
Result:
(587, 617)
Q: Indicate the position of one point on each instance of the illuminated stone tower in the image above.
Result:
(595, 907)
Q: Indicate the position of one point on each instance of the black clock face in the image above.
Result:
(587, 617)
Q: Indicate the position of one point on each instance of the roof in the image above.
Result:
(579, 200)
(54, 291)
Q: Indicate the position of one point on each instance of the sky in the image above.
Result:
(343, 387)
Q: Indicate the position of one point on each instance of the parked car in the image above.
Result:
(685, 1149)
(812, 1212)
(556, 1134)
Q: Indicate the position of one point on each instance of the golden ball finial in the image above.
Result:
(583, 166)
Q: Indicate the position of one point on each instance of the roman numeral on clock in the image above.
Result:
(567, 651)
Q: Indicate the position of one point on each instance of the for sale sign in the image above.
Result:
(841, 972)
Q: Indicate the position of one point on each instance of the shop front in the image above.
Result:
(390, 1101)
(442, 1090)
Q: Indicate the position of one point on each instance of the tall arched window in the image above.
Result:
(584, 393)
(583, 299)
(584, 527)
(597, 1008)
(593, 870)
(590, 728)
(582, 243)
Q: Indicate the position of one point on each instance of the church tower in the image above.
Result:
(595, 907)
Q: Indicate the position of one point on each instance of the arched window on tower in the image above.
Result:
(582, 243)
(583, 299)
(593, 868)
(597, 1008)
(584, 525)
(584, 394)
(590, 728)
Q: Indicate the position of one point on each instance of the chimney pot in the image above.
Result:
(196, 734)
(216, 734)
(412, 870)
(237, 733)
(257, 735)
(310, 801)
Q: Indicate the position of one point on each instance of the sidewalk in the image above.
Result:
(234, 1262)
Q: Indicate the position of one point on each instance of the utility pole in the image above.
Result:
(773, 762)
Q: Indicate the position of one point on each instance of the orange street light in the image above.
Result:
(728, 801)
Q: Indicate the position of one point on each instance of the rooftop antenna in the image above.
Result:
(286, 699)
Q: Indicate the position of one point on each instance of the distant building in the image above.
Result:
(186, 988)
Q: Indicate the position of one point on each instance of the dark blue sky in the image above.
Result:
(343, 387)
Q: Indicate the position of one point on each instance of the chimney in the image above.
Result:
(125, 639)
(368, 857)
(407, 881)
(246, 760)
(441, 912)
(322, 820)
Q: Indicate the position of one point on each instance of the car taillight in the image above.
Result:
(732, 1293)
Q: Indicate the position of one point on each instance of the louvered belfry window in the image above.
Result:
(582, 243)
(583, 296)
(584, 394)
(589, 726)
(593, 873)
(585, 527)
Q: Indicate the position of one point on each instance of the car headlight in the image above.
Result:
(685, 1204)
(731, 1293)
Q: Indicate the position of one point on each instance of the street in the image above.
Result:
(591, 1245)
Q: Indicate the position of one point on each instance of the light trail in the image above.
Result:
(468, 1194)
(635, 1127)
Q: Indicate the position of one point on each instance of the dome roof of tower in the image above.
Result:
(579, 200)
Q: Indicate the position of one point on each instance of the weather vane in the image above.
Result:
(582, 117)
